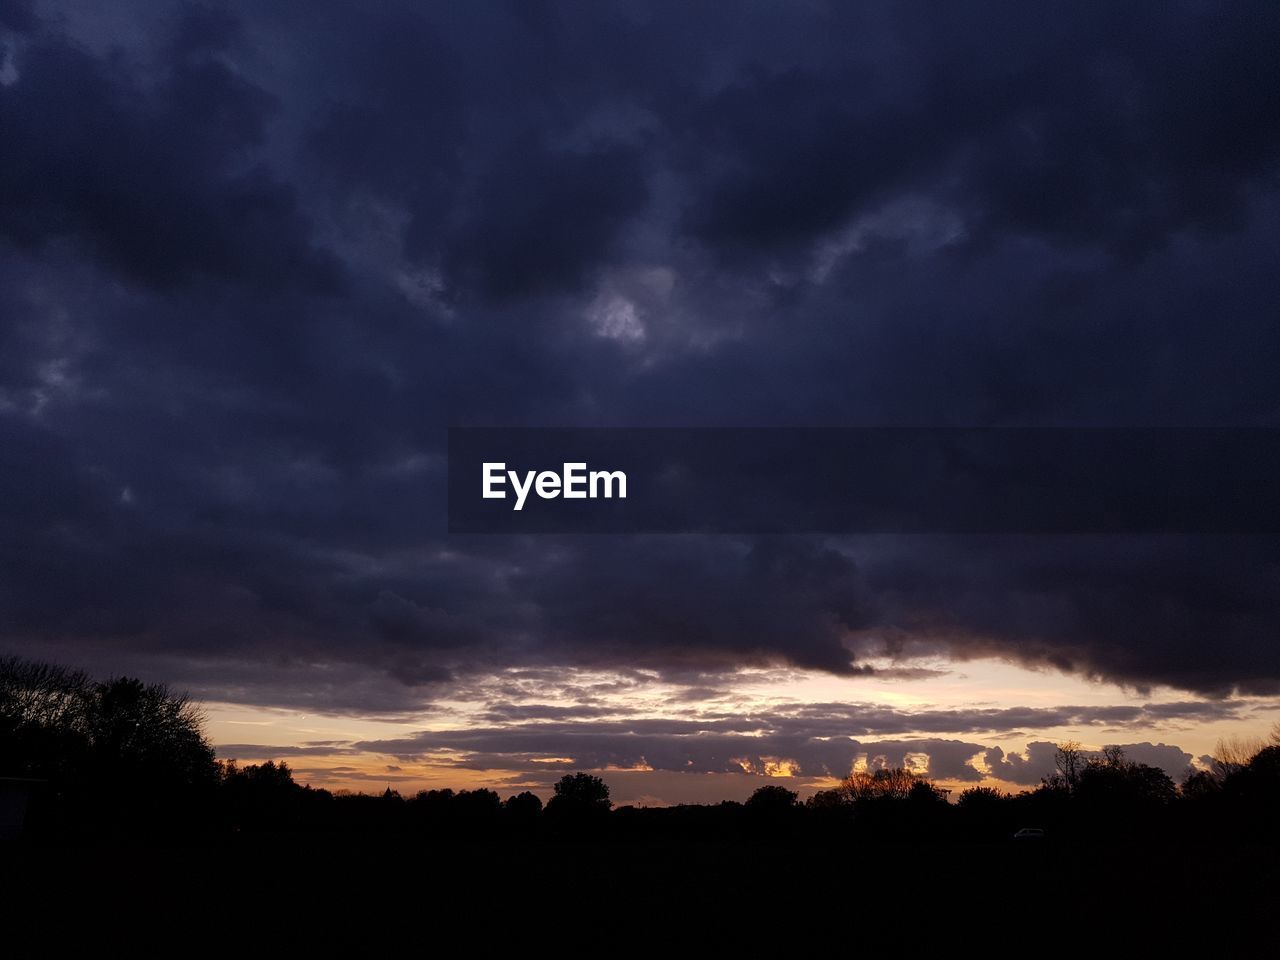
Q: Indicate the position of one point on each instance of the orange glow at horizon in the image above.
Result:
(321, 748)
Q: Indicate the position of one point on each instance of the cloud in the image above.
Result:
(154, 178)
(224, 420)
(1037, 760)
(542, 220)
(18, 15)
(809, 740)
(264, 751)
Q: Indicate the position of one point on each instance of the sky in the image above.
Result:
(256, 258)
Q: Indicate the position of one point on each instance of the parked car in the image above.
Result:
(1029, 833)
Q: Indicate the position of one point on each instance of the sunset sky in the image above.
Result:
(256, 258)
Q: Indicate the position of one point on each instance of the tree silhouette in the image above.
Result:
(1200, 784)
(126, 758)
(523, 807)
(979, 798)
(478, 807)
(144, 732)
(832, 799)
(118, 754)
(1121, 785)
(579, 798)
(772, 799)
(1233, 754)
(887, 783)
(1068, 761)
(923, 792)
(583, 789)
(43, 719)
(1254, 789)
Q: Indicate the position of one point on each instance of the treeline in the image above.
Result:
(1090, 798)
(93, 759)
(99, 757)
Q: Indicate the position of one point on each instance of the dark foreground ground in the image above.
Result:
(349, 895)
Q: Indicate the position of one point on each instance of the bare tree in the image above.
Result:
(120, 738)
(892, 782)
(1069, 760)
(1233, 753)
(1113, 756)
(41, 694)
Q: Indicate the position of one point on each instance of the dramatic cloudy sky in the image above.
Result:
(256, 257)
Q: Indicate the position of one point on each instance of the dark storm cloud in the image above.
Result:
(17, 15)
(1191, 612)
(256, 259)
(541, 220)
(153, 176)
(1115, 127)
(696, 599)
